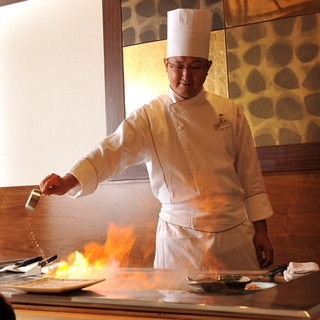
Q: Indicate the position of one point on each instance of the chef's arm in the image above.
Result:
(262, 244)
(54, 184)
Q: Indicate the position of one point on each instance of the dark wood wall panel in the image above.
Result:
(284, 158)
(63, 225)
(293, 157)
(7, 2)
(294, 229)
(114, 83)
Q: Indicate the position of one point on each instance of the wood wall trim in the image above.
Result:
(6, 2)
(113, 64)
(285, 158)
(294, 157)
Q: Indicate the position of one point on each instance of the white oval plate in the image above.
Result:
(259, 286)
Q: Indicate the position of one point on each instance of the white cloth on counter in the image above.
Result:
(298, 269)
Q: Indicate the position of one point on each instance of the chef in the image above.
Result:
(201, 161)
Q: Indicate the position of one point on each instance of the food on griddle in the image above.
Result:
(252, 286)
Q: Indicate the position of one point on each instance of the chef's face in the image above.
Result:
(187, 74)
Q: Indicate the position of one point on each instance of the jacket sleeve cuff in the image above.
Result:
(258, 207)
(87, 177)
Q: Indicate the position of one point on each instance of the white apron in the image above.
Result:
(179, 247)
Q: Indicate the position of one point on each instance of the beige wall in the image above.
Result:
(52, 107)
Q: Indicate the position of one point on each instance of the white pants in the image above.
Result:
(179, 247)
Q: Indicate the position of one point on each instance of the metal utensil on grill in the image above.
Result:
(271, 274)
(34, 197)
(36, 268)
(21, 263)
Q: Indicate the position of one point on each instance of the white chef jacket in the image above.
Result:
(200, 157)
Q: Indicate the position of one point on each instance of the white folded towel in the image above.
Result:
(298, 269)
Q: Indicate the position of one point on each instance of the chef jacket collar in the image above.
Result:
(175, 98)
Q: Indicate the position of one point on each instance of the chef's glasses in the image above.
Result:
(194, 68)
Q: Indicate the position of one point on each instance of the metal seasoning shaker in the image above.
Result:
(34, 197)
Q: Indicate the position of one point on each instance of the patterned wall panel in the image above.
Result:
(241, 12)
(274, 74)
(273, 67)
(146, 20)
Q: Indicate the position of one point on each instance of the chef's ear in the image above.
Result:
(165, 61)
(209, 65)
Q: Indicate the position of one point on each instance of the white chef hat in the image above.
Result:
(188, 33)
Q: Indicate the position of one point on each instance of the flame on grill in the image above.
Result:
(96, 257)
(110, 261)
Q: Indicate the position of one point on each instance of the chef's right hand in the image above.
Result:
(54, 184)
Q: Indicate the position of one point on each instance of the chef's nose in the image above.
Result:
(187, 73)
(186, 70)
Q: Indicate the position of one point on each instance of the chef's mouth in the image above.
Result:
(188, 84)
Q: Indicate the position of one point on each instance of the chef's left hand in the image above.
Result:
(262, 244)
